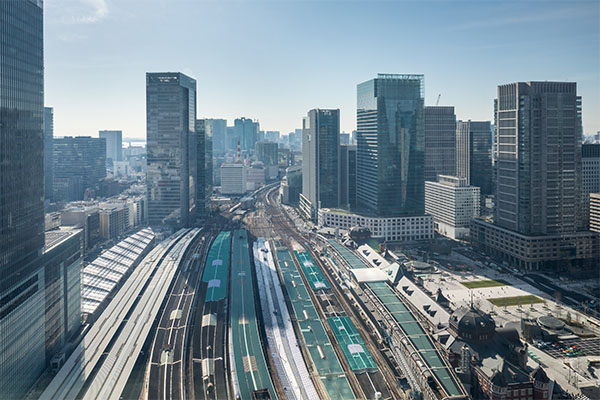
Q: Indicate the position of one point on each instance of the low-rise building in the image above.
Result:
(52, 220)
(291, 185)
(83, 215)
(575, 251)
(453, 204)
(255, 176)
(63, 262)
(114, 219)
(391, 229)
(492, 361)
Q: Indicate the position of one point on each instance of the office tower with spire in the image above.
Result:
(170, 121)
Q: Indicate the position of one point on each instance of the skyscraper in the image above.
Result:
(539, 157)
(22, 325)
(538, 180)
(114, 144)
(245, 131)
(272, 136)
(48, 143)
(474, 154)
(79, 164)
(348, 176)
(320, 161)
(391, 145)
(590, 177)
(170, 121)
(267, 152)
(440, 142)
(202, 168)
(217, 130)
(21, 130)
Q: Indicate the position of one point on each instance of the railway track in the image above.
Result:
(209, 344)
(282, 222)
(167, 370)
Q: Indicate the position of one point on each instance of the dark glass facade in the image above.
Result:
(62, 266)
(474, 154)
(348, 176)
(440, 142)
(320, 159)
(391, 145)
(21, 134)
(170, 121)
(201, 168)
(267, 152)
(79, 164)
(245, 131)
(48, 146)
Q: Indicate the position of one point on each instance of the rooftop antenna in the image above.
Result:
(437, 102)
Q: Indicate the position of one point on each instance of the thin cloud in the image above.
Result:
(555, 14)
(80, 11)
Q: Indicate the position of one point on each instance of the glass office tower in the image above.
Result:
(79, 164)
(48, 149)
(114, 145)
(440, 142)
(320, 161)
(21, 132)
(22, 334)
(170, 121)
(391, 145)
(201, 169)
(474, 154)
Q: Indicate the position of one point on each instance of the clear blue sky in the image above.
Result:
(275, 60)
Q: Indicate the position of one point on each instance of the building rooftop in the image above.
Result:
(103, 274)
(57, 236)
(363, 275)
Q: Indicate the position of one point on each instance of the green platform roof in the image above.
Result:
(311, 271)
(250, 365)
(353, 347)
(415, 333)
(351, 258)
(217, 268)
(313, 332)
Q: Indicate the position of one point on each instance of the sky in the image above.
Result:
(275, 60)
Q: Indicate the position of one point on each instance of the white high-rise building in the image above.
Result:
(453, 204)
(233, 179)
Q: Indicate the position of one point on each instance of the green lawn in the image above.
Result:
(515, 300)
(484, 283)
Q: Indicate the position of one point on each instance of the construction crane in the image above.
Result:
(437, 102)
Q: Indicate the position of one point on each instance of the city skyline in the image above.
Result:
(92, 88)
